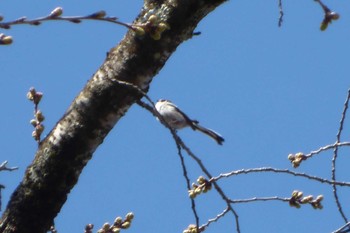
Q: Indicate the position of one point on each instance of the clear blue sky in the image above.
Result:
(269, 91)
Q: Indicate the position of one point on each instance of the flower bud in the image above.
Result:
(299, 195)
(126, 225)
(98, 15)
(306, 199)
(201, 180)
(295, 194)
(129, 216)
(116, 230)
(291, 157)
(152, 19)
(192, 194)
(118, 220)
(35, 135)
(58, 11)
(106, 226)
(33, 122)
(156, 36)
(139, 31)
(31, 93)
(319, 198)
(6, 40)
(39, 129)
(334, 15)
(198, 190)
(162, 27)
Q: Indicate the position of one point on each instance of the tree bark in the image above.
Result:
(63, 154)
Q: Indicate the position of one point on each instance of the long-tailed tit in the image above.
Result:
(178, 120)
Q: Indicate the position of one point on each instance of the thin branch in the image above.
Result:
(328, 147)
(3, 167)
(340, 230)
(344, 227)
(254, 199)
(295, 200)
(275, 170)
(324, 7)
(217, 217)
(188, 183)
(335, 155)
(280, 8)
(298, 158)
(99, 16)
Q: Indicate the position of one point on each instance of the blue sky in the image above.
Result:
(269, 91)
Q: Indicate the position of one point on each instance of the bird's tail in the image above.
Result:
(217, 137)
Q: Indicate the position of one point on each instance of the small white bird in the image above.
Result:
(178, 120)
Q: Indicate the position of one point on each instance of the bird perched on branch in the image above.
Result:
(177, 119)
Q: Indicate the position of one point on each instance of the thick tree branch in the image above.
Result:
(69, 146)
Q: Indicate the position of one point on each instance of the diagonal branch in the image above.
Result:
(3, 167)
(328, 147)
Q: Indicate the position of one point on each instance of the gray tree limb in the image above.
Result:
(69, 146)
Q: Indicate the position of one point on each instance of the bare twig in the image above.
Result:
(254, 199)
(298, 158)
(217, 217)
(286, 171)
(297, 199)
(328, 147)
(188, 184)
(280, 18)
(3, 167)
(1, 187)
(324, 7)
(335, 155)
(344, 228)
(99, 16)
(216, 186)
